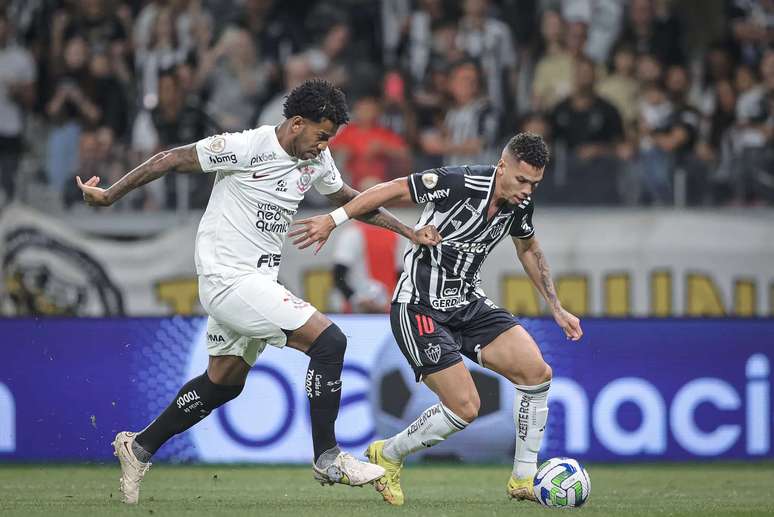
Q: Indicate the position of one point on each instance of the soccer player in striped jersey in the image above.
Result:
(439, 312)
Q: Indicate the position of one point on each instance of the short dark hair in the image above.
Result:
(315, 100)
(530, 148)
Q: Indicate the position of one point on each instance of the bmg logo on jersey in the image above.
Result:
(219, 159)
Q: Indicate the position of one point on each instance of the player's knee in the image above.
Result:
(540, 374)
(467, 409)
(330, 346)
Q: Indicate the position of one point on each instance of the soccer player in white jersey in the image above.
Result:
(439, 312)
(261, 176)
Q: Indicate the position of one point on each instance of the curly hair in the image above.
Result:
(530, 148)
(315, 100)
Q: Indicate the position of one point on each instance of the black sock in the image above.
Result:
(193, 402)
(323, 386)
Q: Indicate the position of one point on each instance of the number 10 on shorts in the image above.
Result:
(425, 324)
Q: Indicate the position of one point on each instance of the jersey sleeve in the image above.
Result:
(227, 151)
(329, 182)
(439, 186)
(522, 227)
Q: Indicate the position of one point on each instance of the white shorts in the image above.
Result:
(247, 313)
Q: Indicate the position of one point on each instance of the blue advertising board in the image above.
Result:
(632, 389)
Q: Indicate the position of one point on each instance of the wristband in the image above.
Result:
(339, 216)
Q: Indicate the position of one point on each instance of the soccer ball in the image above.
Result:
(562, 483)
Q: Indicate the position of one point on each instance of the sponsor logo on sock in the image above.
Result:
(334, 386)
(524, 416)
(420, 422)
(186, 398)
(308, 383)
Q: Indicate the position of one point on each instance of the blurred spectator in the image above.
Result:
(590, 128)
(162, 50)
(273, 33)
(747, 159)
(421, 25)
(471, 128)
(718, 66)
(752, 28)
(604, 19)
(395, 15)
(171, 123)
(235, 79)
(109, 95)
(490, 42)
(650, 32)
(366, 151)
(398, 113)
(189, 22)
(621, 88)
(93, 21)
(554, 70)
(653, 166)
(328, 58)
(71, 107)
(295, 71)
(366, 263)
(17, 96)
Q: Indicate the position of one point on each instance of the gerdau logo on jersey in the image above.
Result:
(434, 196)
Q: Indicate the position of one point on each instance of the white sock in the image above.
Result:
(530, 413)
(434, 425)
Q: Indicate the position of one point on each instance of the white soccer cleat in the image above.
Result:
(348, 470)
(132, 469)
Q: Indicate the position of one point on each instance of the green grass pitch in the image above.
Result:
(439, 490)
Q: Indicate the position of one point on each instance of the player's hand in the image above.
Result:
(570, 324)
(426, 236)
(92, 194)
(312, 230)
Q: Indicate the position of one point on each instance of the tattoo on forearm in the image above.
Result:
(380, 217)
(545, 277)
(179, 159)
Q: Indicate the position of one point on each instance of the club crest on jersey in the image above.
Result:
(218, 144)
(433, 352)
(305, 180)
(430, 179)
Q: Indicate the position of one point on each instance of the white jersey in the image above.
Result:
(256, 194)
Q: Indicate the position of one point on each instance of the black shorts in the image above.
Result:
(433, 340)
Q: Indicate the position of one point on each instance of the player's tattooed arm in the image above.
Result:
(364, 207)
(378, 217)
(536, 266)
(179, 159)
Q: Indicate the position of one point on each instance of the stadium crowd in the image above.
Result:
(644, 101)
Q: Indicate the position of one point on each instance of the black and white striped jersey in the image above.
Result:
(456, 202)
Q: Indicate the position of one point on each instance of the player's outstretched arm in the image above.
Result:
(365, 207)
(536, 266)
(179, 159)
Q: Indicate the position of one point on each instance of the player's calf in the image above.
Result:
(195, 400)
(323, 388)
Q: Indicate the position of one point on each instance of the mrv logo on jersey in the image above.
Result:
(434, 196)
(223, 158)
